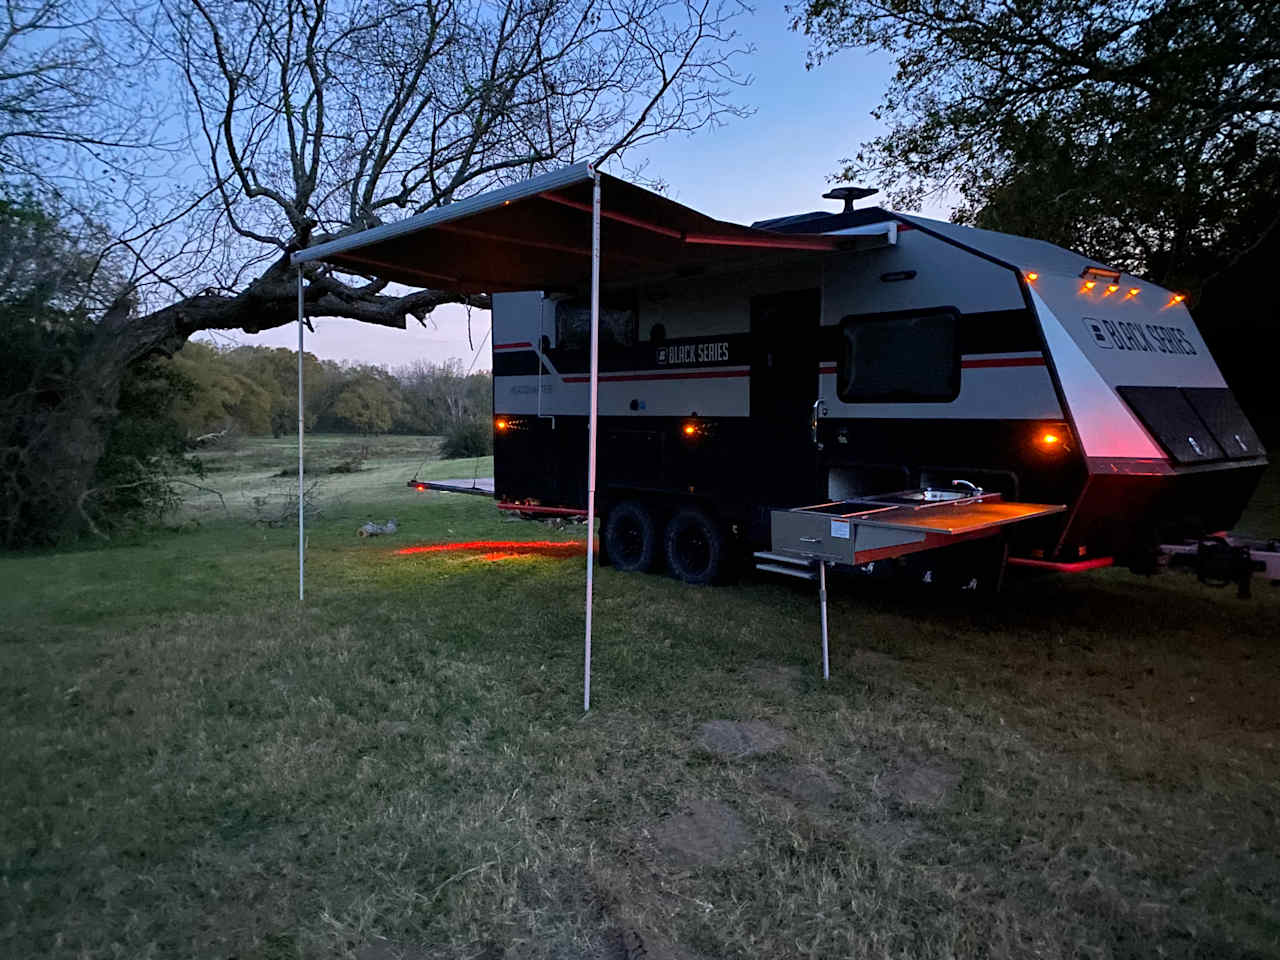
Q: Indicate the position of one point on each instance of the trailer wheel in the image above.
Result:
(631, 537)
(696, 546)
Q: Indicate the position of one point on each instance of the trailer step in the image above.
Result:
(786, 564)
(790, 558)
(802, 573)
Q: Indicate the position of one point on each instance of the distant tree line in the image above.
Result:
(253, 391)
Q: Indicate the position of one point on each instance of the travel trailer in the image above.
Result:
(845, 362)
(918, 355)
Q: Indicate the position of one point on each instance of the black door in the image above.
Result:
(784, 385)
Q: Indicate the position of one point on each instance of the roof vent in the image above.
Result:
(849, 195)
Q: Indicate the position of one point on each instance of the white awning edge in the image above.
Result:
(552, 180)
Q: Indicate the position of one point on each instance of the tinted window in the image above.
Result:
(573, 325)
(906, 357)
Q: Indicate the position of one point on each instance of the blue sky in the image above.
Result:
(773, 163)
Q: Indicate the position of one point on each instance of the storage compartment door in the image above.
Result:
(1173, 422)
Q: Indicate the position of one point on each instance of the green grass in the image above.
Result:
(195, 768)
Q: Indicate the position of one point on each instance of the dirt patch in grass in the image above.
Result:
(705, 833)
(739, 738)
(918, 784)
(782, 681)
(808, 785)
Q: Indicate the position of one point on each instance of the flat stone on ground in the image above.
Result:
(739, 738)
(705, 833)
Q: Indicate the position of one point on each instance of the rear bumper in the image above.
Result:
(1128, 507)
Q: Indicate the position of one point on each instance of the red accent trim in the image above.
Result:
(1004, 362)
(782, 242)
(533, 508)
(971, 364)
(701, 375)
(1078, 566)
(512, 346)
(610, 215)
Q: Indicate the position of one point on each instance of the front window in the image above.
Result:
(909, 357)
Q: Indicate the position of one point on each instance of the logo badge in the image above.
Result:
(1098, 333)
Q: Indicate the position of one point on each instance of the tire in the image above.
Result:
(631, 537)
(696, 546)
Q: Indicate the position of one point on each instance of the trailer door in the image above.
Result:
(784, 385)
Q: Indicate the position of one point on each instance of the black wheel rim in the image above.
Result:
(693, 549)
(628, 541)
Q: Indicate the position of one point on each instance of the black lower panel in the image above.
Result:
(1120, 515)
(743, 469)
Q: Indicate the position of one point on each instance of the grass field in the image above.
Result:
(192, 767)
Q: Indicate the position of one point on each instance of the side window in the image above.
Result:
(573, 325)
(912, 358)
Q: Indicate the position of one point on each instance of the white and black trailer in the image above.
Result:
(825, 360)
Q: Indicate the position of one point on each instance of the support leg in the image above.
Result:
(822, 602)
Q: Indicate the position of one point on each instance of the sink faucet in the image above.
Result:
(973, 489)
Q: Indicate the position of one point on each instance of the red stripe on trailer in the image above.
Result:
(1078, 566)
(1004, 362)
(976, 363)
(533, 508)
(512, 346)
(691, 375)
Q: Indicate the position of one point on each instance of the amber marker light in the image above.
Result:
(1178, 298)
(1134, 291)
(1032, 276)
(1112, 287)
(690, 429)
(1090, 284)
(1051, 439)
(500, 425)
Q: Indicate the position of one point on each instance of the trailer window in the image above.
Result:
(910, 358)
(573, 325)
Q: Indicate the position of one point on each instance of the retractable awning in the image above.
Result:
(535, 235)
(558, 232)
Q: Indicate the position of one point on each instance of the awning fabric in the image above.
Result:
(535, 235)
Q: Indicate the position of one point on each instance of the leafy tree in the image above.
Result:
(1144, 134)
(370, 403)
(222, 396)
(52, 294)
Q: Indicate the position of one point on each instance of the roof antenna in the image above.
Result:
(849, 195)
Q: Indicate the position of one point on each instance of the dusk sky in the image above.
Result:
(773, 163)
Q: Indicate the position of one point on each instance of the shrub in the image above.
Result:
(472, 437)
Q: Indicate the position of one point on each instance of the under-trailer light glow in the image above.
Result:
(1090, 284)
(1177, 298)
(503, 549)
(1134, 291)
(1112, 287)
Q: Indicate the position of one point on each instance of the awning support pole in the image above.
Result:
(822, 601)
(302, 530)
(591, 428)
